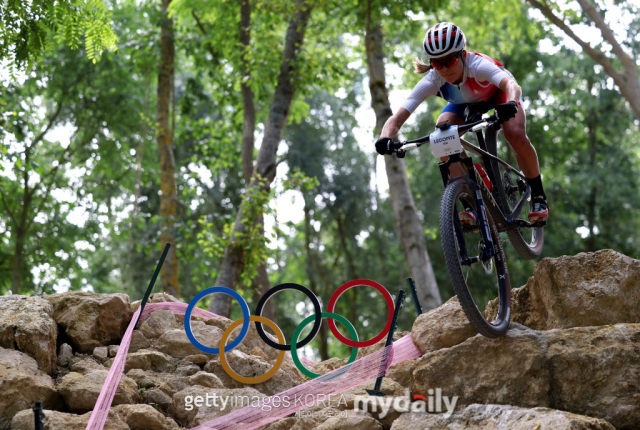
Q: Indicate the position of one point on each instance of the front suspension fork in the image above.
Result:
(489, 250)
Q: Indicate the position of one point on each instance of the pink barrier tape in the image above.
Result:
(335, 382)
(251, 417)
(178, 309)
(110, 386)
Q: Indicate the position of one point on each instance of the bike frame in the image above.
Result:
(502, 221)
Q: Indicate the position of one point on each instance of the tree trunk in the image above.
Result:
(627, 80)
(265, 169)
(16, 263)
(592, 124)
(261, 282)
(406, 215)
(167, 213)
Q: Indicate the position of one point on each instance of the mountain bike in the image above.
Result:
(499, 195)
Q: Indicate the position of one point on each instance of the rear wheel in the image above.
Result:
(508, 189)
(477, 277)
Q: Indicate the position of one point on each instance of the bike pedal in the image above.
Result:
(539, 224)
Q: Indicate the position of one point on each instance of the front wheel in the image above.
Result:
(476, 275)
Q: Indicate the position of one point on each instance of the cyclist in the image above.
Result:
(462, 78)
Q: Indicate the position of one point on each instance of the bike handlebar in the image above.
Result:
(474, 126)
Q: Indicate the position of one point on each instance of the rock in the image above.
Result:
(21, 384)
(249, 365)
(147, 379)
(176, 343)
(189, 370)
(113, 350)
(353, 421)
(157, 397)
(206, 379)
(147, 359)
(175, 384)
(27, 325)
(189, 413)
(442, 327)
(328, 365)
(65, 354)
(590, 371)
(588, 289)
(138, 341)
(101, 353)
(498, 417)
(363, 352)
(90, 320)
(85, 366)
(80, 392)
(197, 359)
(155, 298)
(144, 417)
(157, 323)
(596, 372)
(54, 420)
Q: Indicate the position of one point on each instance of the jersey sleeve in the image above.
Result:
(487, 71)
(427, 87)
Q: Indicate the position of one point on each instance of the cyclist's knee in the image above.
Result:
(517, 138)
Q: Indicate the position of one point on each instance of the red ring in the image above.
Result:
(336, 296)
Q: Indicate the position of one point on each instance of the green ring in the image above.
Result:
(304, 323)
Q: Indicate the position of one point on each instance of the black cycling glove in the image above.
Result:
(507, 110)
(386, 145)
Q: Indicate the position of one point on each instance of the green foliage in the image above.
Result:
(28, 29)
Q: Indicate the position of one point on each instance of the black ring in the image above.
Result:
(316, 324)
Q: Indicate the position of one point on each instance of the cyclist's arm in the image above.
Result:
(511, 88)
(393, 124)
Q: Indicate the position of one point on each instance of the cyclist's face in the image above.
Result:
(452, 73)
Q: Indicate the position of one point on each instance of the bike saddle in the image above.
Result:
(474, 111)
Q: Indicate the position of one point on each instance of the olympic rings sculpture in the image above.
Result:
(282, 346)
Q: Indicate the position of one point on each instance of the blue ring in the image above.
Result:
(196, 299)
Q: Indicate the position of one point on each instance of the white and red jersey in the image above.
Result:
(480, 81)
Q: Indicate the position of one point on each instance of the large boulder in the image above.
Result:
(592, 371)
(21, 384)
(158, 323)
(442, 327)
(91, 320)
(144, 417)
(148, 360)
(176, 343)
(588, 289)
(26, 324)
(499, 417)
(80, 392)
(54, 420)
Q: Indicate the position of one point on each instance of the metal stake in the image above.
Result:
(38, 416)
(394, 323)
(153, 279)
(414, 294)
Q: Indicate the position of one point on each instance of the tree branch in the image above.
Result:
(215, 56)
(607, 34)
(595, 54)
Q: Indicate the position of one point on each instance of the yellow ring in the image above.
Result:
(256, 379)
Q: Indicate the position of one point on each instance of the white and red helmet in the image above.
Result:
(443, 39)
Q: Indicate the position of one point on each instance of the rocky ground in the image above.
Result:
(571, 360)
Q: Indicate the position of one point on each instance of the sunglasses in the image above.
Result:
(448, 62)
